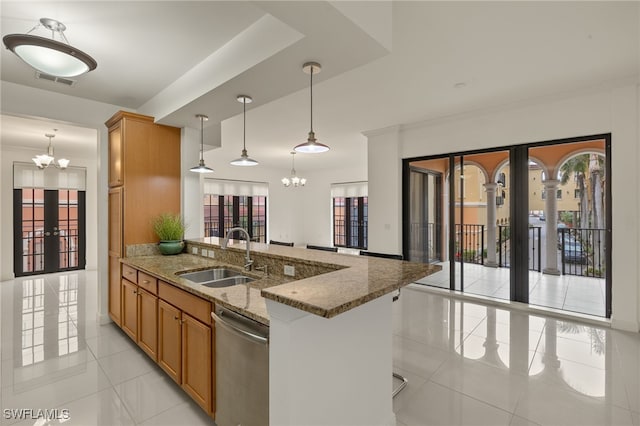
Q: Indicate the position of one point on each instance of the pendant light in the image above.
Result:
(49, 55)
(244, 159)
(201, 168)
(293, 179)
(45, 160)
(311, 146)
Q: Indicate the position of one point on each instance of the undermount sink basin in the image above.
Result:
(227, 282)
(217, 277)
(210, 275)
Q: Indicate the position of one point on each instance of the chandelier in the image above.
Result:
(50, 56)
(46, 160)
(293, 180)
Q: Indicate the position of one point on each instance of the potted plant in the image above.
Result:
(170, 229)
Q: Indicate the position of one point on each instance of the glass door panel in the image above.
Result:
(428, 217)
(568, 207)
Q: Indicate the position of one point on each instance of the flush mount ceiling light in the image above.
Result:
(50, 56)
(244, 159)
(45, 160)
(293, 179)
(311, 146)
(201, 168)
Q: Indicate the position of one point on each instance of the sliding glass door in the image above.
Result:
(529, 223)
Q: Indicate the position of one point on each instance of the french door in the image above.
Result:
(49, 230)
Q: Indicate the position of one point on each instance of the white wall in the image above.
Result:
(613, 110)
(301, 215)
(35, 103)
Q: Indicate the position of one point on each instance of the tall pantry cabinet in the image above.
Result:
(144, 181)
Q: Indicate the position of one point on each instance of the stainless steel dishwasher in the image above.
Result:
(242, 370)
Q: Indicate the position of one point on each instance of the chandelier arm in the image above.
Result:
(62, 36)
(34, 28)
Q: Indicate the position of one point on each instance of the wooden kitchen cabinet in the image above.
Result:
(148, 323)
(196, 361)
(174, 328)
(130, 309)
(115, 290)
(170, 340)
(185, 349)
(144, 181)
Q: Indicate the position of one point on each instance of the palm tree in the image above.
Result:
(578, 166)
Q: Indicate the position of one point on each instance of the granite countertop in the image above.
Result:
(352, 281)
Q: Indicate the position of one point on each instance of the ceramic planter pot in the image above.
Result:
(171, 247)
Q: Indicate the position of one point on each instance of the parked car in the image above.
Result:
(572, 252)
(541, 217)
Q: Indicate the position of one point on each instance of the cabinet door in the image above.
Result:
(116, 155)
(170, 340)
(115, 290)
(148, 323)
(130, 309)
(115, 222)
(197, 361)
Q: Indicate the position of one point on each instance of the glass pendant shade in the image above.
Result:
(311, 146)
(244, 159)
(48, 55)
(201, 167)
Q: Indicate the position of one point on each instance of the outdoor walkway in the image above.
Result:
(567, 292)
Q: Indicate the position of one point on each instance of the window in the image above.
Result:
(576, 193)
(559, 194)
(350, 222)
(544, 194)
(223, 212)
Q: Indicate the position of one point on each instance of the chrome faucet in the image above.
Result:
(248, 261)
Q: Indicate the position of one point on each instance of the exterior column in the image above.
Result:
(491, 224)
(551, 239)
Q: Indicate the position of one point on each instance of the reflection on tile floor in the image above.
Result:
(471, 364)
(572, 293)
(56, 356)
(467, 364)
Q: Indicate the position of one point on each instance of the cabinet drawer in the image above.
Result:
(187, 302)
(148, 282)
(130, 273)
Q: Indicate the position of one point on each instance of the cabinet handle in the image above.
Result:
(146, 281)
(134, 292)
(176, 318)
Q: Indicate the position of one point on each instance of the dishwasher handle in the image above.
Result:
(251, 336)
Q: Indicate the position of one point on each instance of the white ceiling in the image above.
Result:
(384, 63)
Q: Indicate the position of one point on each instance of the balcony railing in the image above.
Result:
(582, 251)
(535, 251)
(470, 246)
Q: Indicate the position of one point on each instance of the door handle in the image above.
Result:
(46, 234)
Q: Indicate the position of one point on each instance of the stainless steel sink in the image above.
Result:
(227, 282)
(217, 277)
(207, 275)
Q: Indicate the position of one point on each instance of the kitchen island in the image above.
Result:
(330, 359)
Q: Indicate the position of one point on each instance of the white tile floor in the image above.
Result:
(467, 364)
(571, 293)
